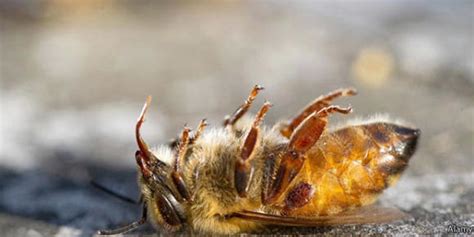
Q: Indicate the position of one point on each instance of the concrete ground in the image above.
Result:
(75, 74)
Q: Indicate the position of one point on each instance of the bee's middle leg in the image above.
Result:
(243, 168)
(242, 109)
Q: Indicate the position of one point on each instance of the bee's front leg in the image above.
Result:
(302, 139)
(243, 169)
(242, 109)
(286, 129)
(176, 174)
(200, 129)
(174, 142)
(182, 146)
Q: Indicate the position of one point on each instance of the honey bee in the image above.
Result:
(243, 176)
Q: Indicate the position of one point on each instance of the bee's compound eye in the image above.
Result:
(167, 210)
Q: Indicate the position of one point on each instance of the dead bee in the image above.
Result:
(243, 175)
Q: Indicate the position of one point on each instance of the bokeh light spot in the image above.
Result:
(373, 66)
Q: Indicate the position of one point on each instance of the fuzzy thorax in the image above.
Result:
(209, 173)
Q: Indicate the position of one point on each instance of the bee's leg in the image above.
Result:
(176, 174)
(140, 142)
(128, 227)
(113, 193)
(299, 196)
(174, 142)
(145, 154)
(202, 125)
(303, 138)
(243, 168)
(231, 120)
(286, 129)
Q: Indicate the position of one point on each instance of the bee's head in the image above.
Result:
(164, 202)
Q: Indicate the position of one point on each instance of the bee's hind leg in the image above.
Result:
(286, 129)
(300, 195)
(302, 139)
(243, 168)
(242, 109)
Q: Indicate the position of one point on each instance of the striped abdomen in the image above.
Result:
(350, 167)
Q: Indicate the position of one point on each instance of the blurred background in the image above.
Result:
(74, 75)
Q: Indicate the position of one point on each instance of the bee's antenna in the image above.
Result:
(113, 193)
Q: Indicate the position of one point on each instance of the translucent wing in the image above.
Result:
(364, 215)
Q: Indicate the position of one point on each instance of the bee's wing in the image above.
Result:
(363, 215)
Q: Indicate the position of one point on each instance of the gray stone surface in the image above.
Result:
(37, 204)
(74, 77)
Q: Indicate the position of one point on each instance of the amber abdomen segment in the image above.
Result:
(350, 167)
